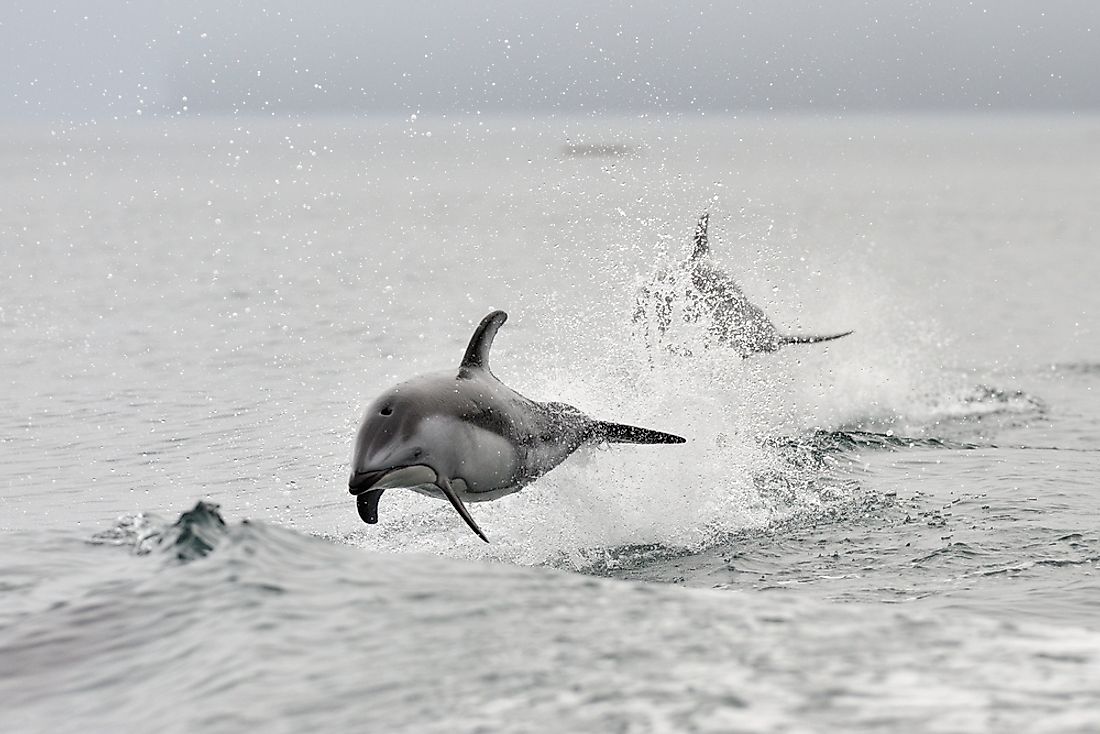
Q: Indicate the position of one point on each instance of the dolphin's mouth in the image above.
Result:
(362, 481)
(391, 477)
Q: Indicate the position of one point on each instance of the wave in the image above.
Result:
(194, 535)
(820, 444)
(743, 470)
(257, 627)
(978, 401)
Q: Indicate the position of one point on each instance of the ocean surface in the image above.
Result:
(898, 531)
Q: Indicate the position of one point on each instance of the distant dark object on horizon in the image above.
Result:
(598, 150)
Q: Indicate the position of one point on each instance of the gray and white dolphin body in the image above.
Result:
(708, 291)
(467, 437)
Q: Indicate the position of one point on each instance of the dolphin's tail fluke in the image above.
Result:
(809, 338)
(622, 433)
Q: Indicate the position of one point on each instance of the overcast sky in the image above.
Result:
(79, 60)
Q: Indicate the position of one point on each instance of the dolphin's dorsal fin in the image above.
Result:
(702, 246)
(477, 353)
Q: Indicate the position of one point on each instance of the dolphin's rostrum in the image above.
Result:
(467, 437)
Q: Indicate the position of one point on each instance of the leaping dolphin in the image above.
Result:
(709, 291)
(468, 437)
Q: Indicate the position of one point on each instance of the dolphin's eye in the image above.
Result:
(388, 410)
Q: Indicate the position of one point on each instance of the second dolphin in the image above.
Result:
(706, 292)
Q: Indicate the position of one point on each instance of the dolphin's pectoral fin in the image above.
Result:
(809, 338)
(477, 352)
(444, 484)
(367, 505)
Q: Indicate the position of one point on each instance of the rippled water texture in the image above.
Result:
(895, 531)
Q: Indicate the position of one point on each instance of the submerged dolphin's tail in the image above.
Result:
(622, 433)
(809, 338)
